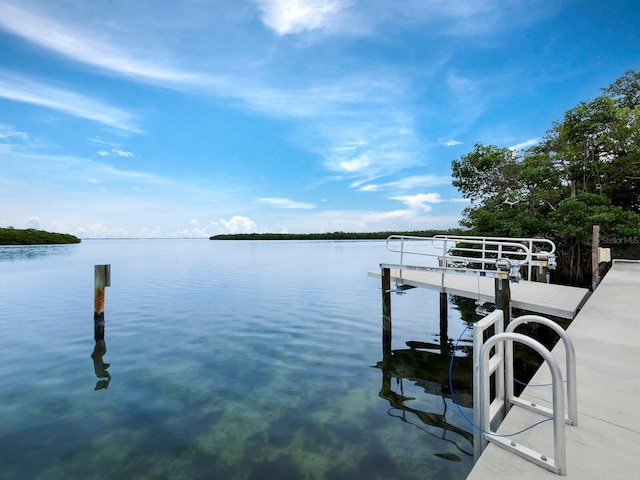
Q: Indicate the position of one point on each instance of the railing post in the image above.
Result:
(595, 263)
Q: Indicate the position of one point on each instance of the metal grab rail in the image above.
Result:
(532, 242)
(558, 464)
(570, 353)
(493, 320)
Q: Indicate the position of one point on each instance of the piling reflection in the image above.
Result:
(99, 366)
(426, 367)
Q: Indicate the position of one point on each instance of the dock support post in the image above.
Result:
(595, 261)
(102, 275)
(386, 315)
(503, 298)
(444, 323)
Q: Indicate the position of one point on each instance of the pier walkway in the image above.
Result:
(545, 299)
(605, 443)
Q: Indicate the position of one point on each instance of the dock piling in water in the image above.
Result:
(102, 274)
(386, 314)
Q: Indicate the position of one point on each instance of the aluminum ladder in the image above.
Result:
(494, 358)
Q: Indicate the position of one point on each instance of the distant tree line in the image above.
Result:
(585, 172)
(331, 236)
(31, 236)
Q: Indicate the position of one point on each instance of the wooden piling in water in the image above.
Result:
(444, 322)
(503, 298)
(102, 279)
(595, 261)
(386, 314)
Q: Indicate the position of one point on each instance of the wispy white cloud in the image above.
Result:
(85, 46)
(408, 183)
(286, 203)
(450, 143)
(526, 144)
(115, 152)
(295, 16)
(8, 131)
(325, 106)
(419, 201)
(19, 88)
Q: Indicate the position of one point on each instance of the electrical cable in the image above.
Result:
(453, 397)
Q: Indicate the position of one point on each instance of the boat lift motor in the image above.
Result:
(511, 268)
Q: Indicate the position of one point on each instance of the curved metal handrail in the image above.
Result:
(559, 463)
(570, 354)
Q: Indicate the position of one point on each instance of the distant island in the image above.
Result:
(331, 236)
(31, 236)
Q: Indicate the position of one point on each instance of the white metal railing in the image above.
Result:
(463, 252)
(571, 416)
(491, 358)
(542, 249)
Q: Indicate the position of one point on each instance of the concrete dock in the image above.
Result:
(546, 299)
(606, 442)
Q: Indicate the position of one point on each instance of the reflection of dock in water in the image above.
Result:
(429, 371)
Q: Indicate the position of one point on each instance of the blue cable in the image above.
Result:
(453, 396)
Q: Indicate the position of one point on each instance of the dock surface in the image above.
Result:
(606, 442)
(546, 299)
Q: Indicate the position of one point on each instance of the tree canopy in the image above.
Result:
(31, 236)
(584, 172)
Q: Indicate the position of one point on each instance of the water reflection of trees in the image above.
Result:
(10, 253)
(428, 370)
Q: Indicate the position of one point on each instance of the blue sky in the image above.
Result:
(187, 118)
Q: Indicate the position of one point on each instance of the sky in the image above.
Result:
(189, 118)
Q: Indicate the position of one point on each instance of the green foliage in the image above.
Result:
(585, 172)
(13, 236)
(487, 171)
(330, 236)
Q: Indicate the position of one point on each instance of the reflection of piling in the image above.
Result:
(102, 280)
(99, 366)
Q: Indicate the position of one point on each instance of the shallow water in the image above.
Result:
(238, 360)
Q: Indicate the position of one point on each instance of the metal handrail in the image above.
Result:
(570, 358)
(452, 250)
(531, 241)
(537, 246)
(505, 248)
(494, 320)
(558, 464)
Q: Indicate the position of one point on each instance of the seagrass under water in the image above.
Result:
(235, 360)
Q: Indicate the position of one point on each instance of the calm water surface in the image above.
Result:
(234, 360)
